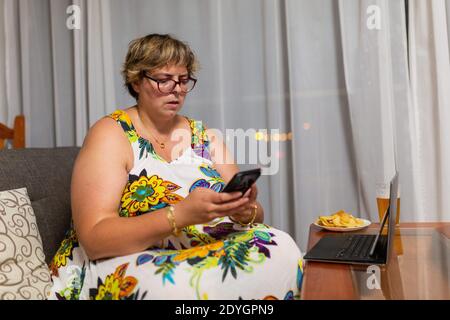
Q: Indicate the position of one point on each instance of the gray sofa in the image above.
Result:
(46, 173)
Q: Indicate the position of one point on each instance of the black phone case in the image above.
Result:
(242, 181)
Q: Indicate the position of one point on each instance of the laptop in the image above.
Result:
(362, 249)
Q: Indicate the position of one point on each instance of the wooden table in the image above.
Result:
(419, 268)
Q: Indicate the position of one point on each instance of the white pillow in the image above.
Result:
(23, 271)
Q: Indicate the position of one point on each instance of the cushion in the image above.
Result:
(46, 173)
(23, 271)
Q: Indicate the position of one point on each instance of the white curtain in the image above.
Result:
(10, 75)
(323, 168)
(430, 82)
(311, 68)
(60, 79)
(375, 59)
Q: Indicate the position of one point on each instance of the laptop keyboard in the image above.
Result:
(357, 246)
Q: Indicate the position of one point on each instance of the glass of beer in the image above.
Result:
(383, 190)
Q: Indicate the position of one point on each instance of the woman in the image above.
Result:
(148, 219)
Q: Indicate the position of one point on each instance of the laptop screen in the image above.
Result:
(392, 214)
(391, 209)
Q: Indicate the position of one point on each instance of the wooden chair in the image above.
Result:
(16, 134)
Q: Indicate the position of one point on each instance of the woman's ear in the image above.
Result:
(136, 86)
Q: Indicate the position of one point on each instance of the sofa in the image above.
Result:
(46, 173)
(45, 206)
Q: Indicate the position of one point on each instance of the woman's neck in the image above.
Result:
(162, 126)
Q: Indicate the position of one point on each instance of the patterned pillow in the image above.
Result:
(23, 272)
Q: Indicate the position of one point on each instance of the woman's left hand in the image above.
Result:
(245, 214)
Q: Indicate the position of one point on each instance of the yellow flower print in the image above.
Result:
(219, 254)
(132, 136)
(116, 286)
(116, 115)
(142, 194)
(124, 119)
(199, 134)
(64, 252)
(109, 290)
(199, 252)
(120, 115)
(147, 193)
(60, 258)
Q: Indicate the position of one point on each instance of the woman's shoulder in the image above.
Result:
(106, 130)
(106, 138)
(108, 123)
(122, 117)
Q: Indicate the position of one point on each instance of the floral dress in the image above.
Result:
(217, 260)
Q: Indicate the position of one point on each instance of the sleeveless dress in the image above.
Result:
(217, 260)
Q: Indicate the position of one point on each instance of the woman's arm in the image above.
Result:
(99, 178)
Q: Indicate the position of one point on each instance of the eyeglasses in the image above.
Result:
(168, 85)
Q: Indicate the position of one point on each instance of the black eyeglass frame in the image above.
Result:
(158, 81)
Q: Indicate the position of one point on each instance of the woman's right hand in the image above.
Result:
(203, 205)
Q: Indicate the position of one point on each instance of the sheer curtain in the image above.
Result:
(313, 69)
(59, 78)
(323, 167)
(375, 61)
(430, 82)
(10, 75)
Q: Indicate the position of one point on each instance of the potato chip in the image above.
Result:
(340, 219)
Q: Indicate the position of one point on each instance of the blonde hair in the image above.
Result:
(152, 52)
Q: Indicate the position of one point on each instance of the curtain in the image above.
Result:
(59, 78)
(351, 103)
(323, 158)
(430, 83)
(10, 92)
(375, 64)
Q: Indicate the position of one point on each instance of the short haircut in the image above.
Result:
(152, 52)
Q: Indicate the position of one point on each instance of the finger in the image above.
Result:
(203, 190)
(232, 205)
(239, 208)
(242, 211)
(221, 197)
(247, 193)
(254, 192)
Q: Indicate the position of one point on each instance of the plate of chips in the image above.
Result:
(341, 221)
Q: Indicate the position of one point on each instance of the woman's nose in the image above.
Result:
(177, 89)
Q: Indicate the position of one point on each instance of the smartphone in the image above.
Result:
(242, 181)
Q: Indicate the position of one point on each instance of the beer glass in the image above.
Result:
(383, 190)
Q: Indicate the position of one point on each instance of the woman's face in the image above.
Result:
(166, 105)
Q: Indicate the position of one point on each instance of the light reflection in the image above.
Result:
(283, 137)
